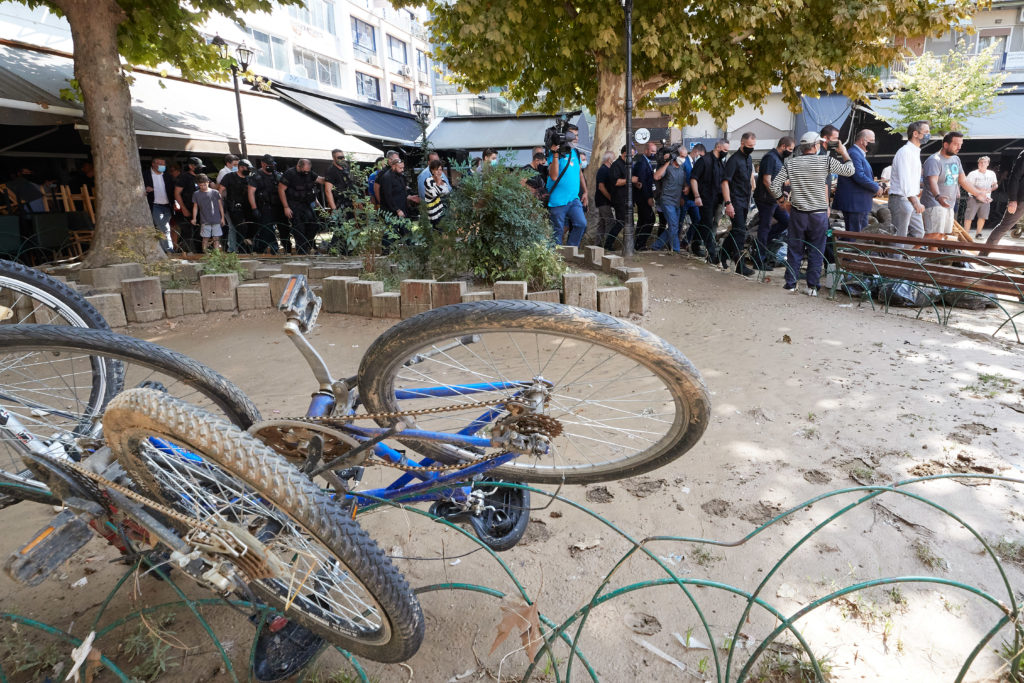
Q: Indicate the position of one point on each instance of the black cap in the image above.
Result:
(267, 159)
(195, 161)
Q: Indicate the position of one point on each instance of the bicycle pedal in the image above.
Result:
(49, 549)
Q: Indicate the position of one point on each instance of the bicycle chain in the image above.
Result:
(547, 426)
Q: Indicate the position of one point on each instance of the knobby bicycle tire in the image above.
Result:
(622, 387)
(35, 297)
(347, 583)
(57, 379)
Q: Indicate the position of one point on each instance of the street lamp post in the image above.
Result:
(243, 57)
(422, 108)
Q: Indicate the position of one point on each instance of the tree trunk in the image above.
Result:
(610, 124)
(124, 224)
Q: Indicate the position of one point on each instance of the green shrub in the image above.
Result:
(216, 262)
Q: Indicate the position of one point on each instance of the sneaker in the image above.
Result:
(811, 291)
(789, 290)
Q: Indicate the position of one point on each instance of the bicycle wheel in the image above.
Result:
(56, 380)
(34, 297)
(338, 583)
(628, 401)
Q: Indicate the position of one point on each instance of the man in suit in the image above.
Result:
(160, 195)
(854, 194)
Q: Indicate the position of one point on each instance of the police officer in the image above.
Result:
(296, 190)
(184, 187)
(265, 205)
(234, 188)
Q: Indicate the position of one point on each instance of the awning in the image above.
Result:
(1006, 123)
(361, 120)
(819, 112)
(475, 133)
(176, 115)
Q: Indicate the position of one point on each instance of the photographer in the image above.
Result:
(297, 189)
(234, 188)
(265, 205)
(673, 176)
(565, 177)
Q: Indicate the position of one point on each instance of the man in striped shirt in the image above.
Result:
(808, 177)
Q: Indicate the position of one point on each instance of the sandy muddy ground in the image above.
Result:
(809, 396)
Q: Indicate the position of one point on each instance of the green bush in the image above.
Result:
(216, 262)
(495, 229)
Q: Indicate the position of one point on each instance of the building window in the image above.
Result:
(421, 61)
(316, 13)
(317, 68)
(401, 98)
(364, 41)
(270, 50)
(368, 87)
(397, 51)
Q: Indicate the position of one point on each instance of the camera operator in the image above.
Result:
(234, 188)
(297, 190)
(565, 177)
(672, 174)
(808, 222)
(265, 206)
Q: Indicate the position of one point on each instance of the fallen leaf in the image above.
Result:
(524, 620)
(786, 339)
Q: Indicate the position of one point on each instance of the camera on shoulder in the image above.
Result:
(559, 134)
(667, 153)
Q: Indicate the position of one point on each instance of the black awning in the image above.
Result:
(361, 120)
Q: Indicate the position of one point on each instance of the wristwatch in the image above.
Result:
(727, 204)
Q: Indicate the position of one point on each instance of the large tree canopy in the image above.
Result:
(710, 55)
(143, 33)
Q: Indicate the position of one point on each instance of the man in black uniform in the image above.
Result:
(234, 187)
(296, 189)
(618, 175)
(184, 187)
(706, 189)
(265, 205)
(736, 197)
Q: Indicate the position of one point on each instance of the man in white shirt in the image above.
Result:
(230, 166)
(159, 197)
(984, 180)
(905, 184)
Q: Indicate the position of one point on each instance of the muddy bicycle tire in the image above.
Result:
(628, 402)
(350, 593)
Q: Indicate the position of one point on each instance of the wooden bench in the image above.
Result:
(954, 268)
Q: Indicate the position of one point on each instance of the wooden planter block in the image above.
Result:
(295, 268)
(251, 266)
(264, 272)
(278, 283)
(446, 293)
(335, 293)
(350, 270)
(613, 300)
(128, 271)
(594, 255)
(568, 252)
(611, 262)
(639, 295)
(179, 302)
(143, 299)
(219, 292)
(188, 272)
(101, 279)
(318, 273)
(111, 307)
(360, 296)
(387, 305)
(253, 296)
(510, 289)
(549, 295)
(415, 297)
(477, 296)
(580, 290)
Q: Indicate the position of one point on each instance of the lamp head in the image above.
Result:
(221, 45)
(244, 56)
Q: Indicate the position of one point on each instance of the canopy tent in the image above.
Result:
(171, 114)
(518, 134)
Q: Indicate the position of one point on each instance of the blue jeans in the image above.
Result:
(574, 212)
(765, 232)
(806, 230)
(855, 222)
(162, 221)
(671, 234)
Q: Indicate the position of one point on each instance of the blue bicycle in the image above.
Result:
(456, 398)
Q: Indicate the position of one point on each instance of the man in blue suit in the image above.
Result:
(854, 194)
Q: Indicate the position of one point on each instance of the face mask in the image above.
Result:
(245, 172)
(583, 164)
(869, 148)
(927, 137)
(786, 153)
(494, 162)
(721, 155)
(747, 151)
(680, 160)
(161, 168)
(303, 173)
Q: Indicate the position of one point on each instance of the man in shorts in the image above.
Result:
(943, 177)
(984, 180)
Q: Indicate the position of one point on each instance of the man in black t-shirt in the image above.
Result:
(184, 187)
(297, 192)
(736, 196)
(338, 183)
(706, 187)
(619, 174)
(265, 206)
(234, 188)
(603, 196)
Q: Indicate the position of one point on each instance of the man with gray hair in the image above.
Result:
(808, 222)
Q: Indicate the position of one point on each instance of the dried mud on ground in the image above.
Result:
(809, 396)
